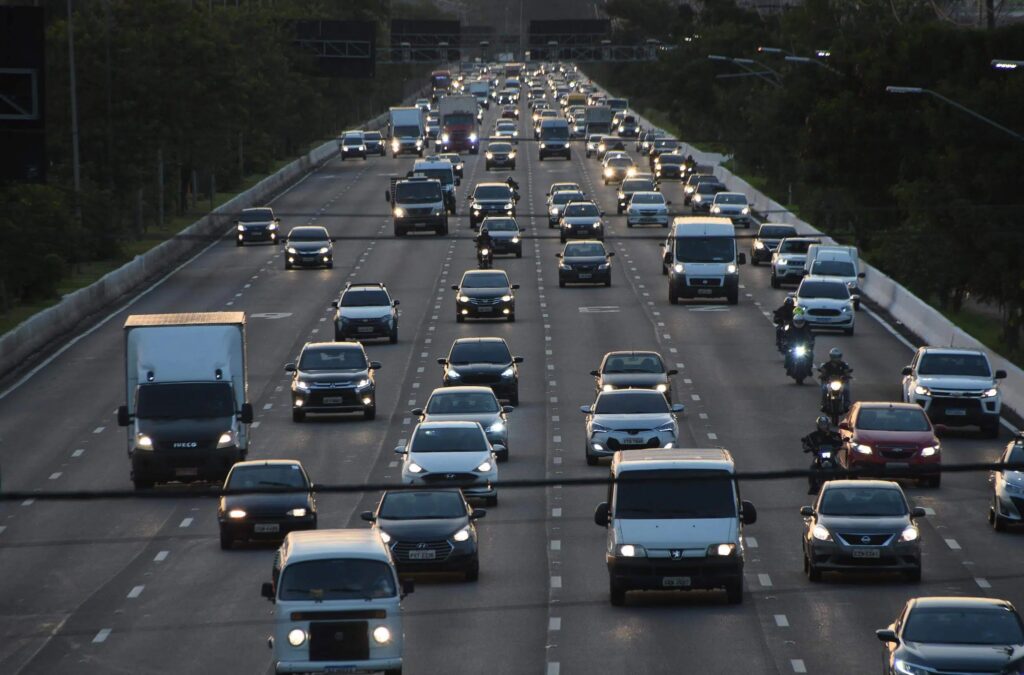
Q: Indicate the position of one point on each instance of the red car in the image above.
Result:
(889, 436)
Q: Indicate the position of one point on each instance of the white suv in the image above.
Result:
(956, 387)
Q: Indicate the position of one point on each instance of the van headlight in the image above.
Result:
(445, 138)
(296, 637)
(721, 550)
(678, 268)
(143, 442)
(226, 440)
(382, 635)
(461, 535)
(730, 268)
(630, 551)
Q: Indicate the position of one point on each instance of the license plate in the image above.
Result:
(867, 553)
(956, 411)
(364, 329)
(585, 275)
(266, 528)
(675, 582)
(332, 400)
(187, 471)
(703, 291)
(647, 220)
(420, 225)
(633, 441)
(340, 669)
(484, 310)
(422, 555)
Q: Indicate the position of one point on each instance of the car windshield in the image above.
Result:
(491, 351)
(993, 625)
(372, 136)
(633, 363)
(705, 249)
(725, 198)
(308, 234)
(833, 268)
(1016, 454)
(506, 126)
(892, 419)
(566, 196)
(185, 400)
(709, 188)
(406, 131)
(664, 145)
(444, 176)
(584, 250)
(485, 280)
(499, 147)
(620, 162)
(795, 246)
(417, 192)
(422, 505)
(648, 198)
(631, 402)
(266, 475)
(582, 210)
(775, 232)
(449, 439)
(493, 192)
(332, 358)
(339, 579)
(862, 501)
(257, 215)
(971, 365)
(823, 289)
(637, 185)
(664, 494)
(457, 403)
(500, 225)
(373, 298)
(353, 139)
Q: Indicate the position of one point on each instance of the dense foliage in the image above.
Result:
(931, 195)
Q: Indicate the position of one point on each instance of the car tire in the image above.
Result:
(592, 461)
(393, 337)
(997, 521)
(540, 158)
(370, 413)
(616, 594)
(608, 282)
(775, 281)
(473, 572)
(226, 542)
(561, 283)
(734, 592)
(673, 297)
(298, 415)
(990, 430)
(629, 224)
(338, 336)
(513, 166)
(238, 242)
(519, 253)
(734, 297)
(813, 573)
(512, 317)
(848, 331)
(754, 261)
(513, 400)
(619, 210)
(491, 501)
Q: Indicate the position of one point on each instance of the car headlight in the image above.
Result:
(863, 449)
(301, 385)
(272, 226)
(297, 513)
(910, 534)
(382, 635)
(990, 393)
(716, 209)
(497, 427)
(835, 385)
(631, 171)
(485, 467)
(291, 249)
(698, 198)
(512, 155)
(609, 172)
(759, 245)
(905, 668)
(600, 148)
(604, 266)
(296, 637)
(515, 240)
(445, 138)
(384, 536)
(543, 145)
(415, 468)
(599, 428)
(745, 210)
(419, 142)
(226, 440)
(929, 450)
(730, 268)
(662, 388)
(473, 138)
(461, 535)
(667, 427)
(143, 442)
(399, 212)
(509, 205)
(821, 533)
(678, 268)
(363, 383)
(508, 372)
(721, 550)
(237, 514)
(324, 249)
(553, 211)
(395, 144)
(489, 155)
(630, 551)
(782, 261)
(241, 228)
(506, 298)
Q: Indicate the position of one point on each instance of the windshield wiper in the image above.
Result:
(275, 483)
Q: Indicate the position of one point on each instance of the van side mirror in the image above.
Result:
(123, 418)
(408, 586)
(267, 590)
(367, 516)
(741, 258)
(395, 303)
(887, 635)
(387, 195)
(748, 514)
(601, 514)
(807, 511)
(245, 414)
(289, 367)
(918, 512)
(1000, 374)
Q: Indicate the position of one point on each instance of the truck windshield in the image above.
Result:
(406, 131)
(972, 365)
(337, 580)
(674, 494)
(705, 249)
(417, 193)
(463, 119)
(185, 400)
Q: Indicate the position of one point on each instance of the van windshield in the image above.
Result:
(705, 249)
(558, 132)
(674, 494)
(444, 176)
(342, 579)
(406, 132)
(833, 268)
(185, 400)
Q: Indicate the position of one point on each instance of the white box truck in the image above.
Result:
(185, 386)
(407, 128)
(598, 119)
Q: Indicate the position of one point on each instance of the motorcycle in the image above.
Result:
(782, 337)
(485, 257)
(835, 403)
(799, 361)
(823, 462)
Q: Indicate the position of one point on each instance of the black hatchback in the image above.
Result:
(265, 516)
(485, 362)
(485, 294)
(308, 246)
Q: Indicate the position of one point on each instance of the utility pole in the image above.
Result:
(76, 166)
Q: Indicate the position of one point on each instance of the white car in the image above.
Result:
(647, 208)
(452, 454)
(826, 302)
(732, 205)
(1008, 489)
(625, 419)
(956, 387)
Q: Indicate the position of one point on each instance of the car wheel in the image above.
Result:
(997, 521)
(473, 573)
(519, 253)
(492, 500)
(459, 318)
(775, 282)
(298, 415)
(226, 542)
(512, 318)
(934, 481)
(734, 592)
(370, 413)
(673, 297)
(616, 594)
(393, 338)
(339, 336)
(503, 455)
(513, 400)
(238, 242)
(754, 261)
(608, 282)
(990, 430)
(734, 297)
(813, 573)
(914, 575)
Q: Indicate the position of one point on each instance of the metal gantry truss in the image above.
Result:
(552, 52)
(327, 48)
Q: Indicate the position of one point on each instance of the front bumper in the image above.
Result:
(844, 320)
(653, 574)
(451, 557)
(504, 388)
(367, 666)
(480, 486)
(246, 528)
(420, 222)
(312, 260)
(250, 234)
(184, 465)
(584, 276)
(836, 556)
(506, 245)
(359, 330)
(960, 412)
(498, 310)
(704, 287)
(334, 400)
(506, 161)
(555, 151)
(647, 219)
(792, 273)
(894, 466)
(606, 443)
(353, 152)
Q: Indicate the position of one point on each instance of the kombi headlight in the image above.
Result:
(678, 268)
(382, 635)
(296, 637)
(921, 390)
(730, 268)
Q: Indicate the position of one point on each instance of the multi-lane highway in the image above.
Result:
(143, 586)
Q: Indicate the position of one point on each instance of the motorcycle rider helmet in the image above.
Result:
(835, 354)
(798, 320)
(823, 423)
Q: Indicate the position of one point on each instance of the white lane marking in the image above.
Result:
(680, 365)
(751, 542)
(953, 544)
(712, 436)
(28, 502)
(102, 636)
(556, 544)
(553, 668)
(781, 621)
(557, 460)
(255, 425)
(78, 453)
(555, 418)
(556, 582)
(554, 399)
(929, 511)
(695, 397)
(412, 401)
(2, 528)
(703, 416)
(268, 406)
(161, 556)
(185, 522)
(406, 421)
(765, 580)
(415, 385)
(136, 591)
(982, 582)
(55, 475)
(556, 512)
(556, 439)
(798, 665)
(98, 430)
(555, 623)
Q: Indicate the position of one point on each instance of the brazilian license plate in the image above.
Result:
(675, 582)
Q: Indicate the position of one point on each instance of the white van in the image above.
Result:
(700, 258)
(675, 522)
(338, 604)
(840, 262)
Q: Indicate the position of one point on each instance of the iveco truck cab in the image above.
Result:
(700, 258)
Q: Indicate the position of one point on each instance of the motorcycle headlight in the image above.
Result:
(910, 534)
(461, 535)
(821, 533)
(473, 138)
(835, 385)
(678, 268)
(721, 550)
(226, 440)
(324, 249)
(497, 427)
(745, 211)
(301, 385)
(630, 551)
(485, 251)
(143, 442)
(759, 245)
(237, 514)
(662, 388)
(399, 212)
(296, 637)
(415, 468)
(730, 269)
(929, 450)
(990, 393)
(863, 449)
(485, 467)
(297, 513)
(508, 372)
(800, 350)
(395, 144)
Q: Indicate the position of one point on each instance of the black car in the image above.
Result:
(490, 199)
(429, 531)
(633, 370)
(704, 194)
(953, 635)
(506, 235)
(257, 224)
(374, 143)
(669, 165)
(636, 183)
(365, 310)
(485, 362)
(308, 246)
(609, 144)
(333, 377)
(767, 240)
(500, 155)
(692, 181)
(585, 262)
(485, 294)
(265, 517)
(662, 146)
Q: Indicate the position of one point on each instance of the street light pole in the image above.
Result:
(920, 90)
(76, 166)
(1007, 64)
(745, 65)
(807, 59)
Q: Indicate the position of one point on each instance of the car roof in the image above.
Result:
(307, 545)
(712, 459)
(847, 484)
(950, 350)
(348, 344)
(464, 389)
(632, 353)
(448, 424)
(493, 184)
(308, 229)
(647, 192)
(878, 405)
(480, 273)
(817, 278)
(265, 462)
(479, 339)
(764, 225)
(730, 194)
(960, 602)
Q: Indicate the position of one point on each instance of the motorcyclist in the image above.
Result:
(483, 241)
(824, 434)
(691, 163)
(782, 317)
(511, 182)
(835, 369)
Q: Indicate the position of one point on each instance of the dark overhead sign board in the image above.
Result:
(22, 100)
(424, 33)
(569, 31)
(340, 48)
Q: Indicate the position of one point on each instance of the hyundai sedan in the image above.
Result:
(451, 454)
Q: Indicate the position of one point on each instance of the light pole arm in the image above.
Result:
(954, 104)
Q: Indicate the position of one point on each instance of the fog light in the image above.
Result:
(465, 312)
(325, 258)
(298, 402)
(291, 259)
(504, 311)
(367, 400)
(597, 446)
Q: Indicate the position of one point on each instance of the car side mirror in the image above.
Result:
(442, 362)
(334, 304)
(458, 181)
(741, 258)
(399, 449)
(611, 254)
(289, 367)
(807, 511)
(748, 514)
(887, 635)
(416, 412)
(408, 586)
(455, 287)
(515, 287)
(477, 514)
(245, 414)
(518, 359)
(1000, 374)
(375, 365)
(907, 370)
(595, 373)
(678, 407)
(668, 203)
(844, 425)
(395, 303)
(918, 512)
(861, 275)
(507, 409)
(499, 449)
(267, 590)
(661, 245)
(672, 371)
(586, 409)
(558, 255)
(601, 514)
(387, 195)
(368, 516)
(123, 418)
